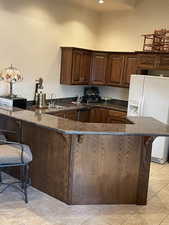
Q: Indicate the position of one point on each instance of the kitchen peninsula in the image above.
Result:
(84, 162)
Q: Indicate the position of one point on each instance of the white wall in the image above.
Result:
(31, 34)
(121, 31)
(114, 92)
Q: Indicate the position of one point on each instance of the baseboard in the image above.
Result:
(158, 160)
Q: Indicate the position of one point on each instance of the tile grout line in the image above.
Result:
(156, 193)
(163, 219)
(159, 167)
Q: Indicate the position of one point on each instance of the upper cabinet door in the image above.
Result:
(76, 66)
(99, 65)
(147, 61)
(66, 66)
(85, 67)
(130, 68)
(115, 69)
(164, 62)
(81, 67)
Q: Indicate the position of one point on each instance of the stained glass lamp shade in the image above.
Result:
(11, 75)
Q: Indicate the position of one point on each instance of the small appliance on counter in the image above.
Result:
(40, 100)
(10, 102)
(40, 97)
(91, 95)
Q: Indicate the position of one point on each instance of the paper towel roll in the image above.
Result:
(4, 88)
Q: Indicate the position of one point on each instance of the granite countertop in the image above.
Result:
(142, 126)
(75, 106)
(109, 106)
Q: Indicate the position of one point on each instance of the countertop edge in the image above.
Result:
(143, 126)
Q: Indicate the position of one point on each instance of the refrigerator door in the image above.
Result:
(135, 95)
(156, 104)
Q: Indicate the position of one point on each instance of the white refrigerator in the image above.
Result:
(149, 96)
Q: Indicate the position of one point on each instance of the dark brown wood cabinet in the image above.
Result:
(71, 115)
(12, 125)
(115, 69)
(98, 68)
(86, 66)
(163, 62)
(103, 115)
(129, 68)
(94, 115)
(50, 164)
(83, 115)
(83, 67)
(86, 169)
(147, 61)
(114, 116)
(153, 61)
(80, 67)
(120, 68)
(75, 66)
(98, 115)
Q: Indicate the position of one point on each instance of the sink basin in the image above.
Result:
(57, 107)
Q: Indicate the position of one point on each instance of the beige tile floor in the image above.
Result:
(45, 210)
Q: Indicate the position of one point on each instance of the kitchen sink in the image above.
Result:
(59, 107)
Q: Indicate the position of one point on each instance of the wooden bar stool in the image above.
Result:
(13, 154)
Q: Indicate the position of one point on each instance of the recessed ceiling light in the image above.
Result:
(100, 1)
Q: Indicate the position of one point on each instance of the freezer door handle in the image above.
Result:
(134, 108)
(141, 107)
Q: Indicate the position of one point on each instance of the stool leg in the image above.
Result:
(0, 175)
(26, 183)
(22, 174)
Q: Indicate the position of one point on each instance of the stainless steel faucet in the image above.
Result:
(38, 85)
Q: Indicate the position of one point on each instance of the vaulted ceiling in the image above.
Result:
(108, 5)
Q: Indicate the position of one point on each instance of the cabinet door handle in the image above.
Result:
(18, 122)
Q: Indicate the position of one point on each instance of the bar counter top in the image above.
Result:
(139, 126)
(83, 163)
(75, 106)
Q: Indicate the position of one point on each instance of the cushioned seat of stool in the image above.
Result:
(11, 153)
(2, 137)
